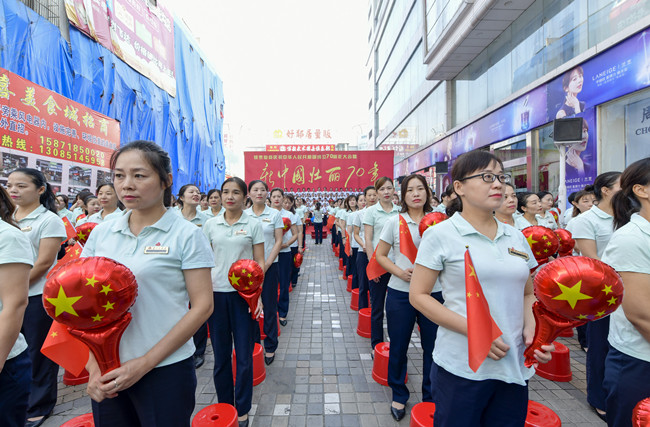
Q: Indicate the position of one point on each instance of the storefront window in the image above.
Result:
(514, 158)
(548, 161)
(624, 134)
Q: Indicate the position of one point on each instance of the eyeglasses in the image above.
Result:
(490, 177)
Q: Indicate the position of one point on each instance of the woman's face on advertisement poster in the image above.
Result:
(585, 139)
(575, 84)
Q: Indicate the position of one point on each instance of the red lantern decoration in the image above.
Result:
(543, 242)
(297, 260)
(571, 291)
(566, 242)
(83, 231)
(641, 413)
(247, 277)
(431, 219)
(92, 297)
(286, 226)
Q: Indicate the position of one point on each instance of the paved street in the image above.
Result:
(322, 371)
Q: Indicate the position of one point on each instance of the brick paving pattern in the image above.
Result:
(321, 375)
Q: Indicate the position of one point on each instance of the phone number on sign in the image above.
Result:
(71, 151)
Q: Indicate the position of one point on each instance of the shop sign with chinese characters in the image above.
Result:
(36, 120)
(314, 170)
(300, 147)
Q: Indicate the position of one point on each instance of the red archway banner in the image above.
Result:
(318, 170)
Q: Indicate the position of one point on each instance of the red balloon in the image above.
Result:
(297, 260)
(83, 231)
(247, 277)
(566, 242)
(571, 291)
(431, 219)
(543, 242)
(88, 293)
(92, 296)
(286, 226)
(641, 413)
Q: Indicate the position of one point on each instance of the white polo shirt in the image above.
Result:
(357, 220)
(209, 214)
(318, 216)
(594, 225)
(549, 219)
(376, 217)
(157, 257)
(97, 218)
(41, 224)
(289, 234)
(299, 221)
(521, 222)
(231, 243)
(502, 274)
(628, 251)
(15, 248)
(349, 222)
(441, 208)
(270, 220)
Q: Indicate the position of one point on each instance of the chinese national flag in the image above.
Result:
(481, 328)
(406, 245)
(70, 232)
(65, 350)
(348, 250)
(72, 252)
(330, 221)
(374, 270)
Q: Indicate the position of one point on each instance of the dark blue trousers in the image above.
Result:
(294, 270)
(284, 273)
(627, 381)
(36, 325)
(362, 279)
(15, 381)
(400, 318)
(318, 228)
(304, 234)
(232, 323)
(377, 300)
(461, 402)
(270, 301)
(352, 267)
(582, 335)
(597, 332)
(163, 397)
(333, 235)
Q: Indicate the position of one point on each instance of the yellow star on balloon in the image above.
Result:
(97, 318)
(91, 281)
(582, 317)
(607, 289)
(108, 306)
(81, 235)
(106, 289)
(600, 313)
(612, 301)
(234, 280)
(63, 303)
(530, 240)
(571, 295)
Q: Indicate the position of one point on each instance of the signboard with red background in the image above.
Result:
(36, 120)
(314, 170)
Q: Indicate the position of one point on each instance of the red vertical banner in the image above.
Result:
(316, 171)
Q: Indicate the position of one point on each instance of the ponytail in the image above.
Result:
(47, 199)
(625, 203)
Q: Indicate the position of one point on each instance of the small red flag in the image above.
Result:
(71, 252)
(348, 249)
(481, 328)
(330, 221)
(374, 270)
(70, 231)
(65, 350)
(406, 245)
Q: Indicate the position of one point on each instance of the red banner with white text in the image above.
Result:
(318, 171)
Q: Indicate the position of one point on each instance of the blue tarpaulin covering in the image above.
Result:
(188, 126)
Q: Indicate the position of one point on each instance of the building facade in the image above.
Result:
(451, 76)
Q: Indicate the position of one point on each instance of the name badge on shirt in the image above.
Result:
(514, 252)
(199, 225)
(266, 220)
(152, 250)
(240, 233)
(26, 229)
